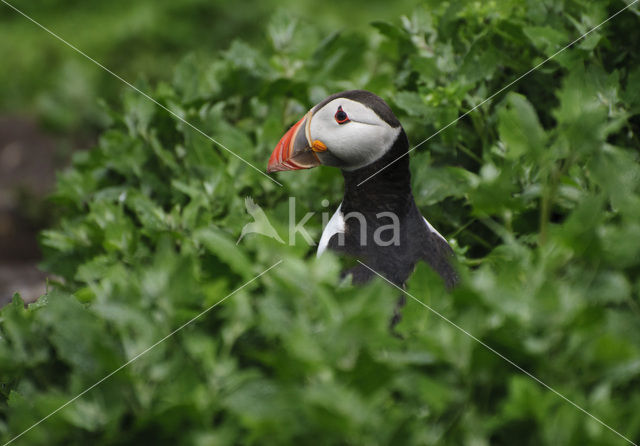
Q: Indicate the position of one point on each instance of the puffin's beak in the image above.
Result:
(295, 149)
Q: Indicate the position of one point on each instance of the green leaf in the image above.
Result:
(219, 244)
(520, 129)
(547, 39)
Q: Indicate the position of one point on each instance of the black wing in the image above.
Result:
(439, 255)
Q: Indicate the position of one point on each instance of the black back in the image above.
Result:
(389, 191)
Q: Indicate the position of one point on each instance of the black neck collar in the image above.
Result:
(388, 190)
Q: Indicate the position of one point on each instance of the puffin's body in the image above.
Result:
(378, 221)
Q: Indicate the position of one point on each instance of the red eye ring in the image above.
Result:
(341, 116)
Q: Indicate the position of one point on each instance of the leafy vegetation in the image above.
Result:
(538, 189)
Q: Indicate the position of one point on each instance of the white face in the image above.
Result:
(359, 142)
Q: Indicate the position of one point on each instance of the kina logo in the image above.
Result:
(260, 223)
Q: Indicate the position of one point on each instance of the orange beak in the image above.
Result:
(295, 149)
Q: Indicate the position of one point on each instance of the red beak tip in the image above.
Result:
(286, 157)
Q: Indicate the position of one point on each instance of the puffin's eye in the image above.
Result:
(341, 116)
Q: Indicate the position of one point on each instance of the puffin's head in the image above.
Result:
(348, 130)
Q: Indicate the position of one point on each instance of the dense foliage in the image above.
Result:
(538, 189)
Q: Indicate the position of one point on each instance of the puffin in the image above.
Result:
(378, 221)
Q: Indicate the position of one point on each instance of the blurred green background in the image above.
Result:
(138, 40)
(538, 191)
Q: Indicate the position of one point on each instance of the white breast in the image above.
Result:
(335, 226)
(432, 229)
